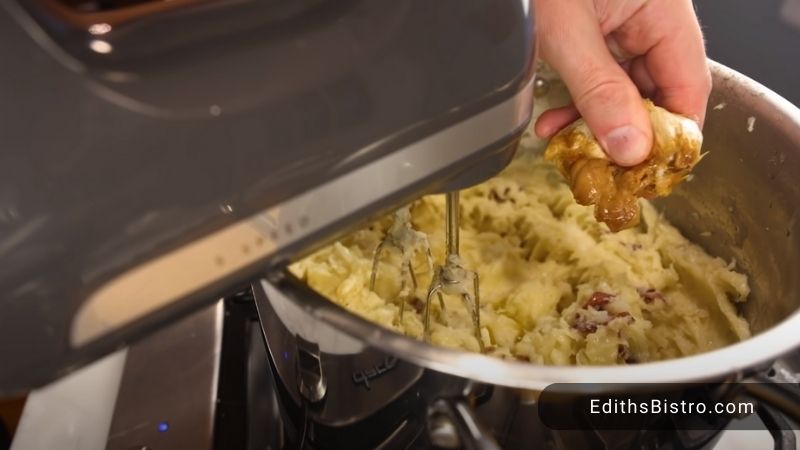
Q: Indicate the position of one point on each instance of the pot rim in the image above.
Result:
(713, 365)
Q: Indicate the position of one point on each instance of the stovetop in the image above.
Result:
(385, 403)
(209, 383)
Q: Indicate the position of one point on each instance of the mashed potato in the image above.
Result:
(557, 287)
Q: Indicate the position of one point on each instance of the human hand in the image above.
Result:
(610, 53)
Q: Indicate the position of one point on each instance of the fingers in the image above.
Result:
(555, 119)
(668, 34)
(572, 42)
(638, 72)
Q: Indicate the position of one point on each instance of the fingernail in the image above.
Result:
(626, 145)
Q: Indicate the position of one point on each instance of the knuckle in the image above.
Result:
(600, 88)
(603, 9)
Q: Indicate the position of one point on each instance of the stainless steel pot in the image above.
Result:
(742, 204)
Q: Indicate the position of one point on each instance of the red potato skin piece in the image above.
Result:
(599, 300)
(651, 295)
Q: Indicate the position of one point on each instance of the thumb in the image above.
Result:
(572, 43)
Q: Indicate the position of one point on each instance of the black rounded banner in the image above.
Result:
(657, 406)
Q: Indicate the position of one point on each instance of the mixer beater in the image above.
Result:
(451, 278)
(407, 240)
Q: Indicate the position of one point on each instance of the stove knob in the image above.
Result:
(452, 424)
(443, 432)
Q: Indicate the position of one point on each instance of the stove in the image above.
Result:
(218, 379)
(381, 402)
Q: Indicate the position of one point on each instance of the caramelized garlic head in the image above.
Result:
(614, 190)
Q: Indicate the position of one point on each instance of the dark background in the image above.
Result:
(754, 38)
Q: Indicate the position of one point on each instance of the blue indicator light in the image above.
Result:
(163, 426)
(285, 356)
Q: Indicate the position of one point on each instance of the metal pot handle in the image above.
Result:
(311, 381)
(777, 425)
(452, 424)
(778, 395)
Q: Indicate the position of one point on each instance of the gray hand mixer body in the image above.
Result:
(157, 157)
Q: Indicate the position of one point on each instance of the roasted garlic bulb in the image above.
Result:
(614, 190)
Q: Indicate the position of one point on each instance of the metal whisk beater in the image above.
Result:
(407, 240)
(452, 278)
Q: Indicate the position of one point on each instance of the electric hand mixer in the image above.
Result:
(159, 155)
